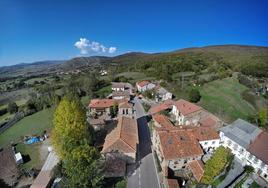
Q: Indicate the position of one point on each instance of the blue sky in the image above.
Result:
(32, 30)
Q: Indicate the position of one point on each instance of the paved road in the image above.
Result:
(145, 175)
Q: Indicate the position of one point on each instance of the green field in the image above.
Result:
(224, 98)
(30, 125)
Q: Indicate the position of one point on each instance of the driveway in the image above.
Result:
(145, 175)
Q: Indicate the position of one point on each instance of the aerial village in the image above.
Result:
(182, 136)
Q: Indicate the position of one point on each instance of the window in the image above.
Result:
(185, 161)
(213, 142)
(176, 162)
(206, 143)
(174, 166)
(265, 176)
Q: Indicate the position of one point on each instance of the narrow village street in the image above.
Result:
(145, 176)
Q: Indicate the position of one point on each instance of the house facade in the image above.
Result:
(125, 109)
(162, 94)
(248, 143)
(118, 86)
(180, 149)
(121, 95)
(144, 85)
(186, 113)
(101, 106)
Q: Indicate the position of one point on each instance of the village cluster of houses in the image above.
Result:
(184, 135)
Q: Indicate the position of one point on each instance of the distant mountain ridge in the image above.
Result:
(231, 54)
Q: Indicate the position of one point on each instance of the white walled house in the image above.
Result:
(248, 143)
(144, 85)
(162, 94)
(125, 109)
(208, 138)
(186, 113)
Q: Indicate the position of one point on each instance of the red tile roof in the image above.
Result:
(203, 134)
(176, 145)
(197, 168)
(208, 122)
(186, 107)
(259, 147)
(143, 83)
(101, 103)
(172, 183)
(124, 137)
(161, 107)
(125, 104)
(164, 122)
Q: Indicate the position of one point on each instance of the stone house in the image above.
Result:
(122, 142)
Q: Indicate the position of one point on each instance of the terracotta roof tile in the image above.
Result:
(143, 83)
(163, 121)
(101, 103)
(176, 145)
(197, 168)
(161, 107)
(259, 147)
(186, 107)
(202, 134)
(125, 105)
(124, 137)
(173, 183)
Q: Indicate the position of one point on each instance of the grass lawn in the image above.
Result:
(30, 125)
(224, 98)
(104, 92)
(32, 152)
(5, 117)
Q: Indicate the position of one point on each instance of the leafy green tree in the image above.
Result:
(114, 110)
(72, 141)
(12, 107)
(249, 169)
(194, 95)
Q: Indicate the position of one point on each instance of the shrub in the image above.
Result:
(194, 95)
(12, 107)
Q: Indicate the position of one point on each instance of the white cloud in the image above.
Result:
(112, 50)
(85, 47)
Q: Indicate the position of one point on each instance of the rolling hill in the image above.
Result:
(254, 59)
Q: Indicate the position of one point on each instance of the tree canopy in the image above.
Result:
(73, 143)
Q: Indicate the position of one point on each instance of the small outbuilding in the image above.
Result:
(18, 158)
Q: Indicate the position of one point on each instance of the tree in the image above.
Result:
(12, 107)
(194, 95)
(73, 143)
(262, 117)
(114, 110)
(249, 169)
